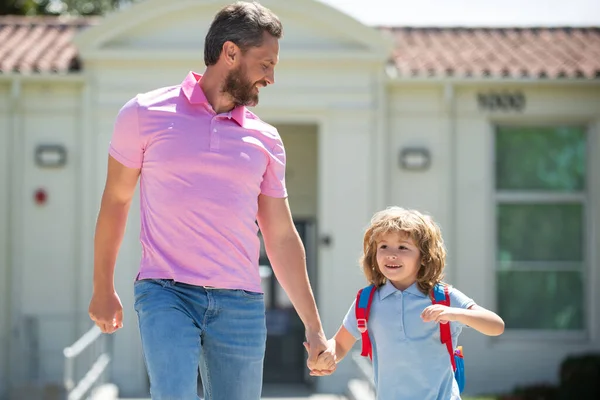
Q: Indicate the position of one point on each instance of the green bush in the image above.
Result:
(541, 391)
(480, 398)
(580, 378)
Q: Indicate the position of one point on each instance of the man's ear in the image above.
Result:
(230, 52)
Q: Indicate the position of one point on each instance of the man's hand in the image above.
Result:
(326, 360)
(106, 311)
(440, 313)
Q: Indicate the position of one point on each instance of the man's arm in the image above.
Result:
(288, 259)
(105, 306)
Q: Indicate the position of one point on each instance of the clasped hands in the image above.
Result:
(321, 355)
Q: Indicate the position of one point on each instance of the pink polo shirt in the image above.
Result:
(201, 175)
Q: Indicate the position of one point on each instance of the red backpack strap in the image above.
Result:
(440, 295)
(364, 299)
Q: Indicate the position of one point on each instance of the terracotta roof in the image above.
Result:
(39, 44)
(497, 52)
(43, 45)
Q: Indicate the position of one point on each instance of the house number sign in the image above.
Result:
(501, 101)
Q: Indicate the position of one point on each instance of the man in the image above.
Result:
(209, 170)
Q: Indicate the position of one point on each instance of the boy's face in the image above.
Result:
(398, 258)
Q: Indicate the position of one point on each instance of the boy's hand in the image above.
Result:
(325, 364)
(440, 313)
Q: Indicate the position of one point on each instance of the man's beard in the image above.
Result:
(241, 90)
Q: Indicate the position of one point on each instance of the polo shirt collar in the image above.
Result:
(389, 289)
(414, 289)
(193, 92)
(386, 290)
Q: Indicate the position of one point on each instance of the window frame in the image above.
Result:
(587, 198)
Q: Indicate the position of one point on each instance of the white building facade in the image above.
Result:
(507, 165)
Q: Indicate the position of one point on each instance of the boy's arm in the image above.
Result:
(483, 320)
(478, 318)
(341, 343)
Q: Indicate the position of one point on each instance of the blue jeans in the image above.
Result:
(184, 327)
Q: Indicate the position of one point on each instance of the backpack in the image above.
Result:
(439, 295)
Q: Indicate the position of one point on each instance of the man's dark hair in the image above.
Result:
(242, 23)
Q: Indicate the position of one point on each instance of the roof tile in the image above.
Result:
(39, 44)
(497, 52)
(44, 45)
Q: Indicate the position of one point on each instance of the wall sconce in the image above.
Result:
(50, 156)
(415, 159)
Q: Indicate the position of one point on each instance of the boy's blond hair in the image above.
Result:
(426, 235)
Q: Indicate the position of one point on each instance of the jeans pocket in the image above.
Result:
(251, 295)
(142, 287)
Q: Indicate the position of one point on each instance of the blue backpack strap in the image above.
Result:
(364, 299)
(440, 294)
(459, 374)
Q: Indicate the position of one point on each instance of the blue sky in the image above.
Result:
(472, 12)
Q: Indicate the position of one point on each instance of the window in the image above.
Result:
(541, 214)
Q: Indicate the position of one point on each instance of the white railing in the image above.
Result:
(92, 344)
(364, 387)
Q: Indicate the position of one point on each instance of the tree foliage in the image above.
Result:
(60, 7)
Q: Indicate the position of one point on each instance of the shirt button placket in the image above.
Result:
(214, 136)
(402, 332)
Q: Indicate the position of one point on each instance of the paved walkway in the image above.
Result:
(289, 392)
(291, 396)
(313, 397)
